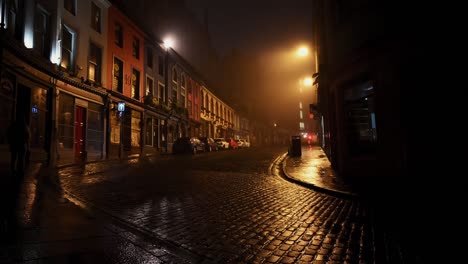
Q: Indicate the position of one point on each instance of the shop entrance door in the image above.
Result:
(80, 133)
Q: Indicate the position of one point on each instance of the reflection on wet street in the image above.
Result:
(51, 229)
(221, 212)
(221, 207)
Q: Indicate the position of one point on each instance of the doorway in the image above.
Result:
(80, 134)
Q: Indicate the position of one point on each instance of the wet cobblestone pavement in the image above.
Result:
(220, 207)
(225, 213)
(314, 168)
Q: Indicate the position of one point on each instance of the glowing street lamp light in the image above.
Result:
(168, 43)
(303, 52)
(308, 81)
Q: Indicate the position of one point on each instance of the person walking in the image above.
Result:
(18, 137)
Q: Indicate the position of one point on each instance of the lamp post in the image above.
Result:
(168, 44)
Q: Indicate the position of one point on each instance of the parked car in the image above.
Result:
(210, 144)
(222, 143)
(243, 143)
(188, 145)
(239, 143)
(232, 143)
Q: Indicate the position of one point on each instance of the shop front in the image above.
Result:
(80, 123)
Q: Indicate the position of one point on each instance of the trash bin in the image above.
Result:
(295, 149)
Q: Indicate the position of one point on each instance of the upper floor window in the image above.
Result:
(149, 57)
(70, 6)
(161, 94)
(182, 96)
(189, 87)
(117, 75)
(95, 63)
(135, 84)
(13, 18)
(174, 94)
(68, 48)
(95, 17)
(118, 35)
(174, 75)
(160, 66)
(149, 86)
(182, 81)
(41, 32)
(136, 48)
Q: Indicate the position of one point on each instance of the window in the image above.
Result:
(12, 23)
(182, 97)
(301, 126)
(65, 123)
(161, 94)
(135, 84)
(95, 17)
(360, 119)
(182, 91)
(174, 93)
(95, 132)
(189, 87)
(38, 117)
(136, 48)
(149, 132)
(70, 6)
(149, 57)
(118, 35)
(160, 65)
(68, 48)
(136, 129)
(94, 64)
(149, 86)
(174, 75)
(41, 32)
(189, 106)
(117, 78)
(182, 81)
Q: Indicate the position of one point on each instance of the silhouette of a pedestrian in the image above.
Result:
(18, 137)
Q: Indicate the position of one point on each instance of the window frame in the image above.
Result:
(146, 86)
(135, 89)
(70, 6)
(97, 64)
(118, 35)
(72, 51)
(121, 80)
(95, 24)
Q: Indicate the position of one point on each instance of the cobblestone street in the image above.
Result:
(226, 213)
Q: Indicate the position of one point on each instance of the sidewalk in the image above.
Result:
(313, 169)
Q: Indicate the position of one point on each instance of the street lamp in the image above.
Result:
(308, 81)
(302, 51)
(168, 43)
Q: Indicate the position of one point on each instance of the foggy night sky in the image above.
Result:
(270, 31)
